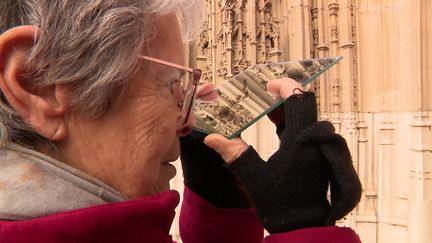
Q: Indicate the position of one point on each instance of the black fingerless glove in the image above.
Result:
(289, 191)
(206, 174)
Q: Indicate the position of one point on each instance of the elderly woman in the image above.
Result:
(93, 105)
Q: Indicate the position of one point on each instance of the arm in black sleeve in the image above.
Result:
(289, 191)
(206, 174)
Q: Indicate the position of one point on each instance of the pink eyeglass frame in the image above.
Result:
(189, 91)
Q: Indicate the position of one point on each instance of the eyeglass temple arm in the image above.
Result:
(170, 64)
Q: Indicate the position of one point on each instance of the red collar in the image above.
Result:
(145, 219)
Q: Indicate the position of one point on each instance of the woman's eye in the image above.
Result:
(174, 84)
(175, 87)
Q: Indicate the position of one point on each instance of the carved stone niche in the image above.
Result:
(333, 8)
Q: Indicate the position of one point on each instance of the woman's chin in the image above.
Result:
(167, 171)
(173, 153)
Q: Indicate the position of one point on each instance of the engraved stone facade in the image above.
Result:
(379, 97)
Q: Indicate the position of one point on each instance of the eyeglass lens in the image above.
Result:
(189, 97)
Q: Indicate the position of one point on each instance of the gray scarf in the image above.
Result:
(34, 185)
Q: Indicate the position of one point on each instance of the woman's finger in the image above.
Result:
(206, 93)
(229, 150)
(283, 87)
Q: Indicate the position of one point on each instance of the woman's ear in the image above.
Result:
(42, 108)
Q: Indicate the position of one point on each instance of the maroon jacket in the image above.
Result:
(149, 219)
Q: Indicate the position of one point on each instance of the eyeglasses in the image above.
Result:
(188, 90)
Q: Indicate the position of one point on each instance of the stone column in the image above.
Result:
(333, 8)
(420, 181)
(420, 169)
(251, 26)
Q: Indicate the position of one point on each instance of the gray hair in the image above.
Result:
(90, 46)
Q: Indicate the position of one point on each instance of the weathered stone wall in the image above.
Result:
(379, 97)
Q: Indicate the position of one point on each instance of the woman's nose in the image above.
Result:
(190, 122)
(185, 127)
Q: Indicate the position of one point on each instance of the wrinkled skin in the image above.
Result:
(130, 148)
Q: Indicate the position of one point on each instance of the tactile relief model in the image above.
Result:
(244, 99)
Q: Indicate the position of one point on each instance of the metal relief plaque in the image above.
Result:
(244, 98)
